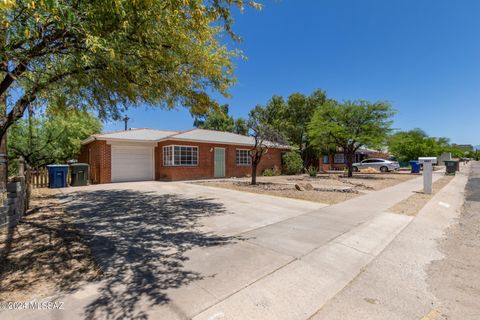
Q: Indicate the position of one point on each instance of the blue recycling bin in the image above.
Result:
(415, 166)
(57, 175)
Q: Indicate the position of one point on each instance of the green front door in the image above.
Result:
(219, 163)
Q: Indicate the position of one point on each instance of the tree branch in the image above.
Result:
(22, 103)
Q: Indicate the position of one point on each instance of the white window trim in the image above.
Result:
(173, 156)
(243, 164)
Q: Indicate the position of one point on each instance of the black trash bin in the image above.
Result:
(79, 174)
(57, 175)
(451, 166)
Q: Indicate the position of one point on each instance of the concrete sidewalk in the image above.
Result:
(283, 268)
(394, 285)
(359, 230)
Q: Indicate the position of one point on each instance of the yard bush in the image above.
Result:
(312, 171)
(270, 172)
(292, 163)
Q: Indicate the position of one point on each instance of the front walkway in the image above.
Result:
(176, 251)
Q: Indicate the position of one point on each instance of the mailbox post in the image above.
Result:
(428, 163)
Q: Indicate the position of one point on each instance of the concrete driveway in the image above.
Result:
(175, 246)
(180, 251)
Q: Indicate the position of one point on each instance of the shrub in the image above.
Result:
(270, 172)
(312, 171)
(293, 163)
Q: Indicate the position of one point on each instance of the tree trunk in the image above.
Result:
(3, 147)
(3, 114)
(254, 173)
(349, 156)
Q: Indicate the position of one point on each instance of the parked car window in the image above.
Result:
(180, 156)
(243, 157)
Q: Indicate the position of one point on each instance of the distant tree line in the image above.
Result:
(315, 124)
(412, 144)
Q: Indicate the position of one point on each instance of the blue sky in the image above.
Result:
(421, 56)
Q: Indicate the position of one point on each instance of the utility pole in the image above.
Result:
(126, 121)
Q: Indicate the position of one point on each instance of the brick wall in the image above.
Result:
(205, 167)
(98, 155)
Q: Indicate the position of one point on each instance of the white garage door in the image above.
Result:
(132, 163)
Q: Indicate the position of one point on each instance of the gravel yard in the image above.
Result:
(285, 190)
(327, 188)
(376, 181)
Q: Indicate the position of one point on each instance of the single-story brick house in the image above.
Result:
(336, 161)
(150, 154)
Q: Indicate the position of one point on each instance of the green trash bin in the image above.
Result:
(79, 174)
(451, 166)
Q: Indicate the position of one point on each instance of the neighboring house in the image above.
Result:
(336, 161)
(150, 154)
(443, 157)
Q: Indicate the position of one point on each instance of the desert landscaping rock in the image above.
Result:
(299, 187)
(308, 186)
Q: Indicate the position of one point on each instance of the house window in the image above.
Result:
(325, 159)
(243, 157)
(180, 156)
(339, 158)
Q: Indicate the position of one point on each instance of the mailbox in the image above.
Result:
(427, 163)
(432, 160)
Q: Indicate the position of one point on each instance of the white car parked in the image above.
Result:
(379, 164)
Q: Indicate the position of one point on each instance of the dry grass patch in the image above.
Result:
(44, 253)
(413, 204)
(284, 190)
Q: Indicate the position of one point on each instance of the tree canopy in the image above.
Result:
(219, 119)
(263, 133)
(52, 138)
(351, 125)
(240, 126)
(110, 54)
(291, 117)
(299, 112)
(410, 145)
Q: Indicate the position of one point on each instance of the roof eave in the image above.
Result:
(221, 142)
(88, 140)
